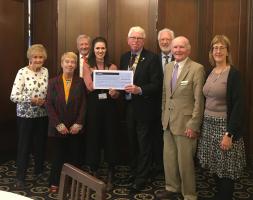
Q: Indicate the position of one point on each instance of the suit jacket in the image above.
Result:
(183, 108)
(148, 75)
(57, 109)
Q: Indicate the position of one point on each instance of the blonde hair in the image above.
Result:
(225, 41)
(69, 55)
(137, 29)
(36, 49)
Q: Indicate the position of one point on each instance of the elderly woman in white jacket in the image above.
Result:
(29, 92)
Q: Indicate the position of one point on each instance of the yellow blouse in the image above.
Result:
(67, 85)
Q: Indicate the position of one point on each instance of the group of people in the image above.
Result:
(175, 109)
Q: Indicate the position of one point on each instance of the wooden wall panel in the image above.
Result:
(226, 20)
(79, 17)
(124, 14)
(12, 51)
(183, 18)
(44, 30)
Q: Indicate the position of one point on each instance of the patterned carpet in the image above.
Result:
(38, 188)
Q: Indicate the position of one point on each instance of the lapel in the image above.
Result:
(169, 72)
(60, 89)
(183, 74)
(72, 90)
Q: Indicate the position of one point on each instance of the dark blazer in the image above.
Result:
(149, 76)
(235, 105)
(57, 109)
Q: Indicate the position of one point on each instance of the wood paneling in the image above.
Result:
(12, 51)
(124, 14)
(44, 30)
(79, 17)
(183, 18)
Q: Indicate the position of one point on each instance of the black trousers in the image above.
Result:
(32, 132)
(101, 129)
(225, 188)
(64, 150)
(140, 145)
(157, 145)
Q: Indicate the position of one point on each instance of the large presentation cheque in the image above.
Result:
(115, 79)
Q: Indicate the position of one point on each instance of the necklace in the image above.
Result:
(217, 74)
(68, 82)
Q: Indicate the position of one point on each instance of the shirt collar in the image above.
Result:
(181, 63)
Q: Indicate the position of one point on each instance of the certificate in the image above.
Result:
(115, 79)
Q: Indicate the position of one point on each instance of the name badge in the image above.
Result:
(102, 96)
(184, 83)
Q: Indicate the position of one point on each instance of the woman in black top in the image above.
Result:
(101, 113)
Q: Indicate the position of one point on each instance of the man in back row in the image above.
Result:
(165, 36)
(83, 45)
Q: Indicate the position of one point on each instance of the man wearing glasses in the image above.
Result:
(142, 104)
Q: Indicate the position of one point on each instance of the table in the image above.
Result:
(4, 195)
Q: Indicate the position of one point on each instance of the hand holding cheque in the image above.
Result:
(116, 79)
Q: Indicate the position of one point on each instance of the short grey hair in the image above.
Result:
(83, 36)
(166, 30)
(137, 29)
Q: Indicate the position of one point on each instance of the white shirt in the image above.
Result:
(164, 59)
(27, 85)
(180, 66)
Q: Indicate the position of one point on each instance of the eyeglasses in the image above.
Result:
(221, 48)
(136, 38)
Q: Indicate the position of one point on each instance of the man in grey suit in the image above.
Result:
(182, 112)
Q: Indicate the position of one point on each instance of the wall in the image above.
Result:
(12, 51)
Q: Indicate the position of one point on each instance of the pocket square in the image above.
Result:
(184, 82)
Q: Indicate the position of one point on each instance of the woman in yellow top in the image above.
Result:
(66, 106)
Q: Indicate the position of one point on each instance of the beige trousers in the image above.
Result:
(178, 156)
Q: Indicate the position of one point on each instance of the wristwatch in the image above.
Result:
(229, 134)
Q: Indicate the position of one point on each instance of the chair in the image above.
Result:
(76, 184)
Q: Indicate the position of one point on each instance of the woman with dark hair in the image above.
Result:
(221, 147)
(101, 112)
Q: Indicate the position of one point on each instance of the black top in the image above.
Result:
(235, 105)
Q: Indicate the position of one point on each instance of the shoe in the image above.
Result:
(109, 181)
(20, 184)
(54, 189)
(129, 179)
(165, 194)
(140, 185)
(41, 177)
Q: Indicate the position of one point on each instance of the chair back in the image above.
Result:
(76, 184)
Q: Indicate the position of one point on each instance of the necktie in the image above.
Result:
(132, 60)
(128, 96)
(174, 77)
(85, 59)
(166, 59)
